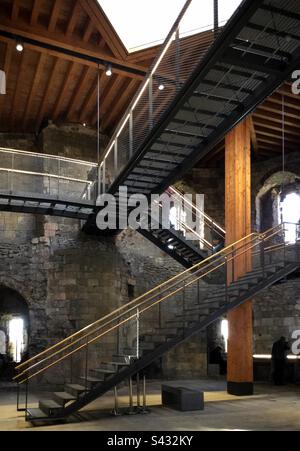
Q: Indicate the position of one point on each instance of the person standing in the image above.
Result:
(279, 360)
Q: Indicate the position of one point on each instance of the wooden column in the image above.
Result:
(238, 225)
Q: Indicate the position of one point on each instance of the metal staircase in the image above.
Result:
(193, 95)
(271, 260)
(183, 243)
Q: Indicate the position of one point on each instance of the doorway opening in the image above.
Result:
(14, 331)
(289, 213)
(225, 333)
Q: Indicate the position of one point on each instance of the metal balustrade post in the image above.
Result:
(216, 18)
(262, 257)
(284, 246)
(226, 279)
(138, 392)
(86, 363)
(137, 334)
(144, 409)
(26, 399)
(233, 264)
(183, 297)
(150, 90)
(58, 182)
(131, 406)
(131, 134)
(116, 158)
(99, 180)
(71, 369)
(116, 411)
(177, 61)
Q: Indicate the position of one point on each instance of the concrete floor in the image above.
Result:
(271, 409)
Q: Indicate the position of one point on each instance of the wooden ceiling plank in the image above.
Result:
(270, 125)
(15, 10)
(105, 28)
(35, 85)
(16, 95)
(35, 12)
(78, 60)
(124, 97)
(108, 97)
(62, 94)
(47, 94)
(54, 15)
(88, 31)
(73, 19)
(90, 99)
(80, 88)
(8, 58)
(73, 44)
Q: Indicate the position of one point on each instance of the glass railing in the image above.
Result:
(33, 175)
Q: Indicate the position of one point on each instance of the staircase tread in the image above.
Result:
(91, 379)
(75, 387)
(65, 396)
(102, 370)
(50, 404)
(36, 413)
(116, 363)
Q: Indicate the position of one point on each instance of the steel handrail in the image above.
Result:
(134, 308)
(88, 342)
(122, 308)
(45, 156)
(210, 220)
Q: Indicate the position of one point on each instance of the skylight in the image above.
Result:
(144, 23)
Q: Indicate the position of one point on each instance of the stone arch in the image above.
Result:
(18, 287)
(274, 181)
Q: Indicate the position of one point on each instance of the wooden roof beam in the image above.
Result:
(88, 31)
(62, 94)
(54, 15)
(34, 87)
(68, 48)
(73, 19)
(76, 101)
(47, 94)
(119, 105)
(105, 28)
(35, 12)
(17, 90)
(15, 8)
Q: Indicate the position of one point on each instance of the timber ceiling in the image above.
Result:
(266, 127)
(55, 78)
(50, 80)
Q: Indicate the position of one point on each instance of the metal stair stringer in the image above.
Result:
(152, 356)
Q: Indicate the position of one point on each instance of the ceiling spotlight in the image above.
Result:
(161, 87)
(20, 47)
(84, 124)
(109, 71)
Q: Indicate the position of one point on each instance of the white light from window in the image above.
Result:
(290, 216)
(225, 332)
(16, 338)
